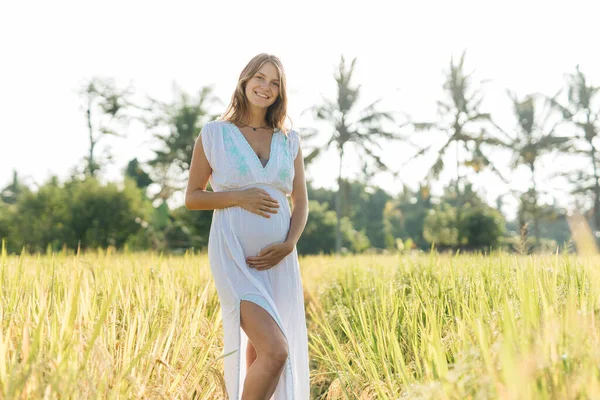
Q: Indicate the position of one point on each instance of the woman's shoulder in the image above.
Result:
(215, 123)
(293, 141)
(291, 134)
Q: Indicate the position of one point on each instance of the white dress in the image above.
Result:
(235, 234)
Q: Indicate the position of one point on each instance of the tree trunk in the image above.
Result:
(338, 207)
(92, 143)
(536, 217)
(596, 190)
(458, 197)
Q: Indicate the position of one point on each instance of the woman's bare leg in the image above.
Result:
(250, 355)
(271, 352)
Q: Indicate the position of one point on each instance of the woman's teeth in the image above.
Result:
(261, 95)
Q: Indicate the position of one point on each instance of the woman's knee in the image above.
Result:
(268, 340)
(277, 353)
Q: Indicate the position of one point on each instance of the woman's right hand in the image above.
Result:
(258, 201)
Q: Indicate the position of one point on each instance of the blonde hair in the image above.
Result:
(238, 108)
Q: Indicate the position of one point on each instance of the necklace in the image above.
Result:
(253, 128)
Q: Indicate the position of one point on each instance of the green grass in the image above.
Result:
(124, 325)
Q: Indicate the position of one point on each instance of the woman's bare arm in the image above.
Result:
(255, 200)
(299, 202)
(196, 196)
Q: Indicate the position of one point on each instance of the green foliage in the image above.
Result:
(176, 126)
(481, 227)
(5, 218)
(188, 229)
(319, 233)
(182, 120)
(441, 226)
(105, 215)
(135, 171)
(41, 218)
(360, 129)
(405, 215)
(476, 228)
(81, 213)
(364, 206)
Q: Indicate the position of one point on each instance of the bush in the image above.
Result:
(441, 226)
(476, 228)
(81, 213)
(481, 228)
(319, 234)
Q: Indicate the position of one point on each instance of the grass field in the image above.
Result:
(107, 325)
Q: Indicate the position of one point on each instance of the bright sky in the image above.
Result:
(48, 49)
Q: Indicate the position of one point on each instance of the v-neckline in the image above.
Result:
(256, 157)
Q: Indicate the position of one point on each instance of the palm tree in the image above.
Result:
(176, 126)
(105, 106)
(582, 98)
(461, 119)
(532, 140)
(352, 128)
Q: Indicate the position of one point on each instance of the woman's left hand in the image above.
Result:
(270, 256)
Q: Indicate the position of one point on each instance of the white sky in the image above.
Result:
(48, 49)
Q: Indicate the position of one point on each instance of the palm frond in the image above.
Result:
(307, 134)
(438, 166)
(313, 154)
(360, 139)
(443, 107)
(418, 154)
(380, 164)
(375, 117)
(386, 135)
(479, 117)
(324, 111)
(491, 165)
(553, 142)
(555, 104)
(424, 126)
(507, 137)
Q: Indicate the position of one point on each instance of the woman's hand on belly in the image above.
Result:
(257, 201)
(270, 256)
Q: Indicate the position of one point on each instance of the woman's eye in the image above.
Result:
(259, 77)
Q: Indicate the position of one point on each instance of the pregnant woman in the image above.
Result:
(253, 164)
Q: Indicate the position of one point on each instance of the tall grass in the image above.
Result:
(106, 325)
(443, 327)
(103, 325)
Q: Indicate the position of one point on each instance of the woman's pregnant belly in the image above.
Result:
(256, 232)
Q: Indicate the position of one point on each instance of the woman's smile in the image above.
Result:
(262, 88)
(264, 96)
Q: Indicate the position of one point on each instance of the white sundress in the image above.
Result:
(236, 233)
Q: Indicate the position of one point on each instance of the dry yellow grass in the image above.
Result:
(124, 325)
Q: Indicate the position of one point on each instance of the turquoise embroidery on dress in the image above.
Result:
(285, 167)
(284, 174)
(234, 151)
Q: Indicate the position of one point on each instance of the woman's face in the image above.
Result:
(263, 87)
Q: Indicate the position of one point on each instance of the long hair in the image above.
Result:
(238, 109)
